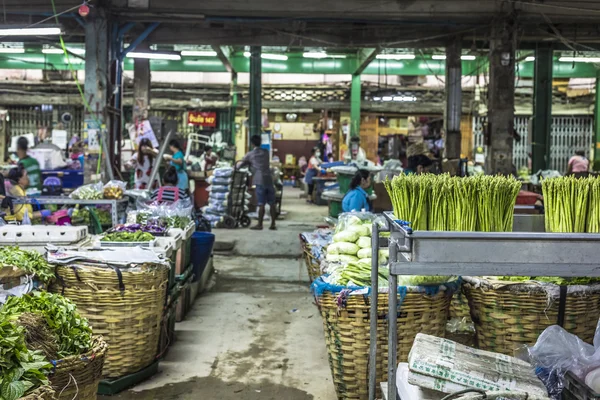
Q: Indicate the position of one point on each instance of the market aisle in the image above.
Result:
(256, 334)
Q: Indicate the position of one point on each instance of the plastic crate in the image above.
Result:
(71, 179)
(576, 389)
(35, 234)
(127, 244)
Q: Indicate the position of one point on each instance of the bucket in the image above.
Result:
(202, 245)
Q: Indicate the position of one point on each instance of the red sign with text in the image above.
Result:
(204, 119)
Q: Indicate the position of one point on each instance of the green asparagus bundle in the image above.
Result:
(572, 204)
(496, 198)
(409, 195)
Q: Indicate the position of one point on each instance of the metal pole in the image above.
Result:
(234, 104)
(453, 98)
(373, 313)
(542, 108)
(161, 152)
(355, 98)
(255, 91)
(393, 326)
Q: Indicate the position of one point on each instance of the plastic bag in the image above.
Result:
(114, 190)
(223, 172)
(93, 191)
(557, 351)
(346, 220)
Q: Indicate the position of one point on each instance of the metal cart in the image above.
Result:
(236, 212)
(470, 254)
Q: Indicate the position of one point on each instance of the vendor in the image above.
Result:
(170, 192)
(143, 162)
(357, 198)
(312, 170)
(177, 160)
(210, 158)
(355, 152)
(578, 164)
(20, 182)
(29, 163)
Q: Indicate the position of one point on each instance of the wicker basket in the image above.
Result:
(77, 377)
(508, 315)
(459, 306)
(41, 393)
(312, 264)
(124, 306)
(347, 330)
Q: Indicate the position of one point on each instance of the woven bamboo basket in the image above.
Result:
(508, 315)
(459, 306)
(125, 307)
(77, 377)
(41, 393)
(347, 334)
(312, 264)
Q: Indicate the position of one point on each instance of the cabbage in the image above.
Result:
(332, 249)
(418, 280)
(366, 261)
(346, 236)
(362, 230)
(365, 253)
(363, 242)
(345, 258)
(353, 220)
(343, 248)
(384, 253)
(332, 257)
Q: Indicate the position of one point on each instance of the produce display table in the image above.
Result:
(117, 207)
(471, 254)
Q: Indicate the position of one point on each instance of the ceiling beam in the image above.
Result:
(365, 57)
(224, 54)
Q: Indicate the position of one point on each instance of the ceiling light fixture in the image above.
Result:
(198, 53)
(154, 56)
(468, 58)
(10, 50)
(320, 55)
(580, 59)
(438, 57)
(30, 31)
(279, 57)
(530, 58)
(60, 51)
(396, 56)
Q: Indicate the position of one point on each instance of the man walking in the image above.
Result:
(258, 160)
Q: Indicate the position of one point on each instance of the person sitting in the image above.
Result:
(170, 192)
(19, 180)
(357, 198)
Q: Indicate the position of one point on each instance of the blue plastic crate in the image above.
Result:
(71, 179)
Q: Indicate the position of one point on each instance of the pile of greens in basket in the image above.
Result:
(445, 203)
(572, 204)
(137, 236)
(61, 326)
(548, 279)
(31, 262)
(21, 370)
(176, 221)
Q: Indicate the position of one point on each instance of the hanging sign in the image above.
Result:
(204, 119)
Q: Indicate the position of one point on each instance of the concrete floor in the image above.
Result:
(256, 333)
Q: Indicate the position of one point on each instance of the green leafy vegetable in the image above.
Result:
(31, 262)
(72, 330)
(549, 279)
(137, 236)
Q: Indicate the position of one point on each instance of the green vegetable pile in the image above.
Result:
(359, 274)
(21, 369)
(572, 204)
(137, 236)
(31, 262)
(71, 329)
(82, 216)
(88, 192)
(445, 203)
(143, 217)
(548, 279)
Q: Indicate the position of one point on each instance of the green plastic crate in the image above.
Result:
(335, 208)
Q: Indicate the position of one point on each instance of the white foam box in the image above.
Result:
(448, 367)
(24, 235)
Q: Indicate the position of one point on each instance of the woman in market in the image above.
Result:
(170, 192)
(578, 164)
(312, 170)
(143, 162)
(357, 198)
(20, 182)
(177, 160)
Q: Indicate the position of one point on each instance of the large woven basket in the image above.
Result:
(347, 330)
(124, 306)
(312, 264)
(77, 377)
(508, 315)
(41, 393)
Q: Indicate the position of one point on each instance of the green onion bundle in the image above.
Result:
(572, 204)
(445, 203)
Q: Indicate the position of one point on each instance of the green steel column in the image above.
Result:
(542, 108)
(355, 97)
(255, 91)
(234, 103)
(597, 124)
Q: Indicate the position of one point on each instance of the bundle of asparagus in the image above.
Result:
(445, 203)
(572, 204)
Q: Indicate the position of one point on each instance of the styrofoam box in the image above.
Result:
(34, 234)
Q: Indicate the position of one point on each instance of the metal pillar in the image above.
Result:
(453, 99)
(501, 97)
(96, 75)
(141, 88)
(255, 91)
(542, 108)
(597, 124)
(355, 98)
(234, 103)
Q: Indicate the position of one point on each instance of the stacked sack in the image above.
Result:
(222, 190)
